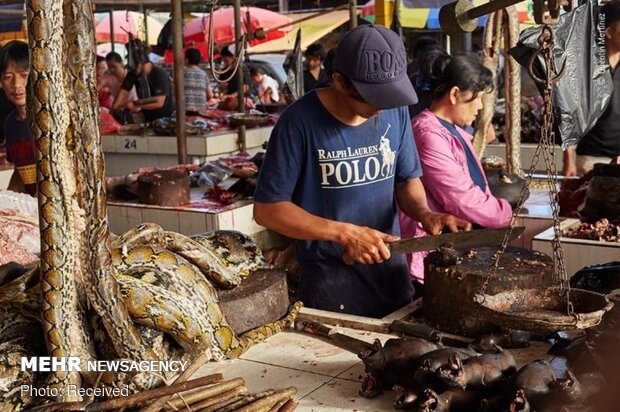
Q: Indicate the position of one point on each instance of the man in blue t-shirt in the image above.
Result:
(339, 162)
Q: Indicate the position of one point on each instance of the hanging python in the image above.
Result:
(146, 295)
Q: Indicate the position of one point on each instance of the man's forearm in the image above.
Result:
(154, 105)
(290, 220)
(121, 98)
(411, 199)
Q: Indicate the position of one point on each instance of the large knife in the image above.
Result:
(459, 240)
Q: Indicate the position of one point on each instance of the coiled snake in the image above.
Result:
(76, 259)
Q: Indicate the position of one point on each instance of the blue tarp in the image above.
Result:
(9, 23)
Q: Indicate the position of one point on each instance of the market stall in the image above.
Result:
(159, 261)
(125, 153)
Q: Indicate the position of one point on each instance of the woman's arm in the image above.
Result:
(411, 199)
(452, 188)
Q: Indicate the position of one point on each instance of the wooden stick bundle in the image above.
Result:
(222, 399)
(246, 400)
(268, 401)
(145, 396)
(187, 373)
(208, 392)
(289, 406)
(223, 404)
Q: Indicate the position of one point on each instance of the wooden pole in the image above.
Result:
(179, 86)
(146, 24)
(112, 28)
(352, 14)
(239, 79)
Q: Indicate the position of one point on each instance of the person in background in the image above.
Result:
(157, 85)
(197, 89)
(339, 161)
(328, 63)
(328, 66)
(104, 95)
(113, 79)
(228, 60)
(314, 73)
(421, 79)
(20, 143)
(452, 174)
(602, 143)
(6, 107)
(421, 45)
(228, 101)
(267, 86)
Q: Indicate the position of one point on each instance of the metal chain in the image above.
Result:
(545, 148)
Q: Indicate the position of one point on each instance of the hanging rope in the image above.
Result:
(217, 73)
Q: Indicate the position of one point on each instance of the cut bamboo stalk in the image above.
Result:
(247, 400)
(208, 392)
(268, 401)
(142, 397)
(240, 390)
(222, 404)
(187, 373)
(278, 405)
(289, 406)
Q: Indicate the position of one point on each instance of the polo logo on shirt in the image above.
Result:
(359, 166)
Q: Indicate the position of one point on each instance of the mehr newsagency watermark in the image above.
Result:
(74, 364)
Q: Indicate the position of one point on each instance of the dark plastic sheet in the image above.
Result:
(581, 96)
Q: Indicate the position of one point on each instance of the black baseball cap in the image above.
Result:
(374, 59)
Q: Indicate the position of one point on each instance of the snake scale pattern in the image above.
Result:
(95, 295)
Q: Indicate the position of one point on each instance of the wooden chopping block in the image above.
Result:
(261, 298)
(163, 188)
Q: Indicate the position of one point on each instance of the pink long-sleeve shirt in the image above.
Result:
(448, 185)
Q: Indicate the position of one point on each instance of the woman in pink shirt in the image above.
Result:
(453, 177)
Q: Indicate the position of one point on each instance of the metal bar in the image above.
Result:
(467, 46)
(282, 6)
(179, 81)
(490, 7)
(314, 16)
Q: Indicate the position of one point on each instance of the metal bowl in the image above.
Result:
(544, 310)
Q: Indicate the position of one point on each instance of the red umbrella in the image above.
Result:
(127, 22)
(197, 30)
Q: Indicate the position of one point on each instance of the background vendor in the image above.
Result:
(20, 144)
(602, 143)
(157, 85)
(339, 161)
(452, 174)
